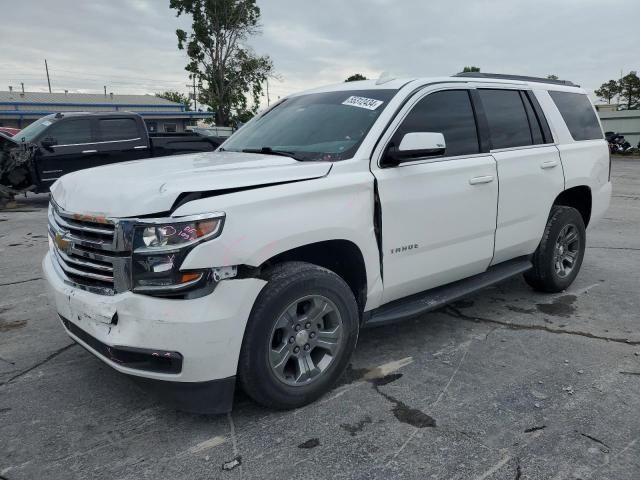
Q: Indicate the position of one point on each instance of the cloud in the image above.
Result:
(130, 45)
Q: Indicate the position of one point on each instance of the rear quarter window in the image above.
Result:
(578, 114)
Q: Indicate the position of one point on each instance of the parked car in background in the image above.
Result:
(65, 142)
(9, 131)
(347, 206)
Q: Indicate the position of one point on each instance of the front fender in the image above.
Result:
(265, 222)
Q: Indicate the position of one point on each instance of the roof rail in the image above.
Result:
(522, 78)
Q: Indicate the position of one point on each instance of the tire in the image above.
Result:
(297, 295)
(564, 238)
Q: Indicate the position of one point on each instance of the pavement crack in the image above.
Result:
(455, 313)
(616, 248)
(20, 281)
(39, 364)
(518, 469)
(236, 461)
(534, 429)
(630, 373)
(594, 439)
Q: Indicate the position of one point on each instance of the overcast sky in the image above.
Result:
(130, 45)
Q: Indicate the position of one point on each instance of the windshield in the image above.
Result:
(319, 126)
(29, 133)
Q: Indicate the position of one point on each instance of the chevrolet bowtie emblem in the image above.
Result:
(63, 243)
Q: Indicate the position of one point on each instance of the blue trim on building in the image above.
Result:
(24, 113)
(101, 105)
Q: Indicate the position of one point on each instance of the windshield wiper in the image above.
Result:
(271, 151)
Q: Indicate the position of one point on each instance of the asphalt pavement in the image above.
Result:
(506, 384)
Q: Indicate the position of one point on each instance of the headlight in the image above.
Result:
(167, 236)
(161, 245)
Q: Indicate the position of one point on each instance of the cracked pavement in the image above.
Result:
(505, 384)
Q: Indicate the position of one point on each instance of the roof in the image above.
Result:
(414, 82)
(46, 98)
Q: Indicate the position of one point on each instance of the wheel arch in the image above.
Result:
(578, 197)
(343, 257)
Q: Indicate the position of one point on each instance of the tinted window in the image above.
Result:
(507, 118)
(69, 132)
(118, 129)
(578, 114)
(448, 112)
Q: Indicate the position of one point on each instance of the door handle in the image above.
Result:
(90, 151)
(479, 180)
(549, 164)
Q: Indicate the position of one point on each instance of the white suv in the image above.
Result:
(338, 208)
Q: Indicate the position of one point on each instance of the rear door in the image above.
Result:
(121, 139)
(74, 149)
(438, 213)
(529, 169)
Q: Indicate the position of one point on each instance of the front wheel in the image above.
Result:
(300, 336)
(557, 260)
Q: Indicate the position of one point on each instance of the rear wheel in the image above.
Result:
(559, 256)
(300, 336)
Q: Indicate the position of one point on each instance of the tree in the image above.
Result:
(228, 70)
(608, 90)
(177, 97)
(356, 77)
(471, 69)
(629, 86)
(552, 77)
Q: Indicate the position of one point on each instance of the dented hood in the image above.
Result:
(149, 186)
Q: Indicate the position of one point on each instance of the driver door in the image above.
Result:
(438, 212)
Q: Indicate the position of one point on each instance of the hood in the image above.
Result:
(149, 186)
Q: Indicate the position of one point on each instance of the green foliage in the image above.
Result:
(608, 90)
(224, 66)
(177, 97)
(356, 77)
(552, 77)
(629, 86)
(471, 69)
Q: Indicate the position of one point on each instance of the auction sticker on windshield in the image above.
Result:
(363, 102)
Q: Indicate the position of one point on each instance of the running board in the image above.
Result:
(440, 296)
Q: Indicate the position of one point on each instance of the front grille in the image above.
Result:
(88, 251)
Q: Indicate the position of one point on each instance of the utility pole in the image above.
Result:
(22, 85)
(105, 90)
(46, 67)
(195, 99)
(268, 99)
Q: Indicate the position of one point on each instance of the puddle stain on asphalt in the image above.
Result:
(560, 307)
(311, 443)
(5, 327)
(400, 410)
(356, 427)
(515, 308)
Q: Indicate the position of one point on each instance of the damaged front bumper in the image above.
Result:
(188, 349)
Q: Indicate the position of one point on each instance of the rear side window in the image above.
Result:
(118, 129)
(70, 132)
(448, 112)
(578, 114)
(507, 118)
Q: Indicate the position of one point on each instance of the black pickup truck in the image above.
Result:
(65, 142)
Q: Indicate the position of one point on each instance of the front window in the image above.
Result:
(29, 133)
(319, 126)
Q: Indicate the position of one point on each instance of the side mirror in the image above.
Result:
(48, 142)
(415, 145)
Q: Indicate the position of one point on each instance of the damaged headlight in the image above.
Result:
(160, 247)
